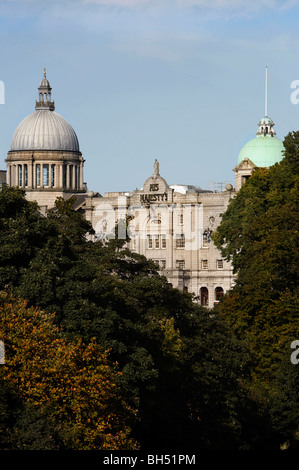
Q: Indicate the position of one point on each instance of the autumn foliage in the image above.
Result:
(71, 383)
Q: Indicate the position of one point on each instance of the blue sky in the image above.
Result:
(177, 80)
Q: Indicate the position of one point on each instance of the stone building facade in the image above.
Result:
(170, 224)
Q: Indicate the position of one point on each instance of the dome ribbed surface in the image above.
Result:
(44, 130)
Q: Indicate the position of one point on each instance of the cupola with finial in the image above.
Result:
(44, 94)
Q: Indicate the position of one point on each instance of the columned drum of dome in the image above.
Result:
(44, 156)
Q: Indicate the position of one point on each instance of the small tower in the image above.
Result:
(44, 93)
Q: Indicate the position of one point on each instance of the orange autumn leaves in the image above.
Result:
(73, 384)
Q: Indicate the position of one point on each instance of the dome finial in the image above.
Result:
(266, 92)
(266, 124)
(44, 72)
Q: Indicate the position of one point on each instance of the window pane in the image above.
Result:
(149, 241)
(219, 263)
(180, 241)
(204, 296)
(25, 175)
(46, 175)
(64, 176)
(204, 264)
(180, 264)
(71, 175)
(52, 176)
(20, 175)
(38, 175)
(76, 177)
(157, 241)
(218, 293)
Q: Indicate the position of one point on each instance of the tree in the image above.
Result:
(177, 365)
(21, 426)
(259, 235)
(72, 385)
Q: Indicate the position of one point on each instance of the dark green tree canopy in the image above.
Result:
(259, 235)
(180, 366)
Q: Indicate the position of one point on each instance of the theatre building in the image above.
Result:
(170, 224)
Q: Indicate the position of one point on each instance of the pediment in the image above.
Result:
(245, 164)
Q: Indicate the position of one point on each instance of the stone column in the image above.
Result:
(74, 176)
(29, 174)
(81, 175)
(60, 171)
(8, 176)
(15, 175)
(23, 175)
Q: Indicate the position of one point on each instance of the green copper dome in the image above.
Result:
(265, 149)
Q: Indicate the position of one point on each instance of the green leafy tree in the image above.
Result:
(178, 365)
(72, 385)
(259, 235)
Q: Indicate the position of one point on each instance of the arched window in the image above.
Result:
(218, 293)
(204, 296)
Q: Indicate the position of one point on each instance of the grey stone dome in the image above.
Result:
(44, 130)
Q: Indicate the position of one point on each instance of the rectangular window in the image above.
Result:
(219, 263)
(157, 241)
(180, 241)
(163, 263)
(71, 175)
(76, 177)
(204, 264)
(19, 175)
(163, 241)
(180, 264)
(64, 176)
(52, 176)
(38, 174)
(150, 242)
(25, 175)
(45, 175)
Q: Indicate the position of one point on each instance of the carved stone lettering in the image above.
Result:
(148, 198)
